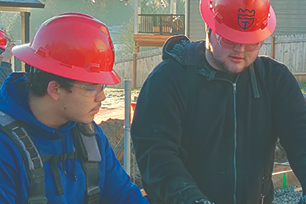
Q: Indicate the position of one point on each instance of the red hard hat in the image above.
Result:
(2, 40)
(240, 21)
(72, 45)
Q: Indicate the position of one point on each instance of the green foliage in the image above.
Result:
(155, 7)
(126, 39)
(111, 12)
(7, 22)
(303, 87)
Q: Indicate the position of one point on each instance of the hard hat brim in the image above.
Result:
(26, 54)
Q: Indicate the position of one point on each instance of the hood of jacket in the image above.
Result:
(14, 101)
(175, 47)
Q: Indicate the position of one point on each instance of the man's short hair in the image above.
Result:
(37, 81)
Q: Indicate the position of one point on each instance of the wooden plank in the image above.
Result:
(283, 175)
(298, 189)
(286, 178)
(150, 37)
(151, 40)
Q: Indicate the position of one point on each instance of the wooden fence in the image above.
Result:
(288, 49)
(143, 63)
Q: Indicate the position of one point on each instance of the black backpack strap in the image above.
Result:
(261, 69)
(30, 155)
(266, 181)
(254, 82)
(88, 151)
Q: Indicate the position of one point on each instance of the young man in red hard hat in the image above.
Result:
(3, 41)
(5, 57)
(208, 117)
(51, 150)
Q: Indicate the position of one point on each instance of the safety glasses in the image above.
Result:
(90, 90)
(234, 46)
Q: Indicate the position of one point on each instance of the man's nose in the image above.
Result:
(100, 97)
(239, 48)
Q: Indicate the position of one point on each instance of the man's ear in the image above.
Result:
(53, 89)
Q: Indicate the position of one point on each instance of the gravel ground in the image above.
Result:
(115, 98)
(287, 196)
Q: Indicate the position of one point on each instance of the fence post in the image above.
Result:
(127, 126)
(273, 47)
(160, 25)
(134, 74)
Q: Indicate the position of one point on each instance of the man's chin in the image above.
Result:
(235, 70)
(85, 120)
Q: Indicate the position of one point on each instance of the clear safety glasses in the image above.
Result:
(90, 90)
(231, 45)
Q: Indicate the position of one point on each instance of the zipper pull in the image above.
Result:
(234, 88)
(262, 198)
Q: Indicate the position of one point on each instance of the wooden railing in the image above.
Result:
(173, 24)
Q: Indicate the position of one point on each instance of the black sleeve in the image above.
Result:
(157, 133)
(5, 70)
(289, 118)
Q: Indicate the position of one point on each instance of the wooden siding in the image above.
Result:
(290, 16)
(196, 23)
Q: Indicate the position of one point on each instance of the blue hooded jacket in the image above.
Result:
(115, 185)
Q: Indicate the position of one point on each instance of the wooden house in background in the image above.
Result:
(290, 18)
(155, 29)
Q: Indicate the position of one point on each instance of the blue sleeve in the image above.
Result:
(118, 187)
(5, 70)
(13, 179)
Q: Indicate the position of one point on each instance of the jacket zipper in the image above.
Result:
(235, 135)
(235, 140)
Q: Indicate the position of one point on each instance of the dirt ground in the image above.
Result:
(112, 123)
(111, 120)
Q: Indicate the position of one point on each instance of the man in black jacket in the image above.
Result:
(208, 117)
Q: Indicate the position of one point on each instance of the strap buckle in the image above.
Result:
(93, 195)
(37, 200)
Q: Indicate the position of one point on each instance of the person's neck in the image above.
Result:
(210, 61)
(45, 110)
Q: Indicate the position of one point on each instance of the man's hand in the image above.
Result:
(7, 54)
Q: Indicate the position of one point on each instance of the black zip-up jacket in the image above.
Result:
(226, 153)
